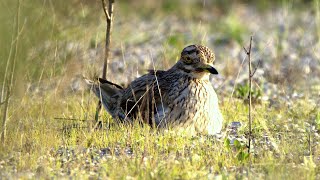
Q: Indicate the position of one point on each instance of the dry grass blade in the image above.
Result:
(5, 115)
(9, 82)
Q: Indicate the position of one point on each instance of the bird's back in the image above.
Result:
(141, 99)
(173, 99)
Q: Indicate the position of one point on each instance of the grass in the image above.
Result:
(38, 145)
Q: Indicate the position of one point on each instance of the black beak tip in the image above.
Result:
(213, 70)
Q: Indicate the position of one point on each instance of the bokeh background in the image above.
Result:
(58, 41)
(47, 46)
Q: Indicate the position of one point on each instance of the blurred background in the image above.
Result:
(46, 46)
(53, 43)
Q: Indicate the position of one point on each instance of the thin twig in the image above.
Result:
(255, 69)
(234, 86)
(84, 127)
(72, 119)
(248, 52)
(109, 17)
(105, 10)
(268, 44)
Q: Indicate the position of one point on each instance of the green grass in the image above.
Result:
(34, 138)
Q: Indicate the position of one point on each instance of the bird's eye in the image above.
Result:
(187, 60)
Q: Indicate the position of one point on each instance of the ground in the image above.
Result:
(50, 132)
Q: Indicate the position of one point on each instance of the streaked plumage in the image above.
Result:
(181, 98)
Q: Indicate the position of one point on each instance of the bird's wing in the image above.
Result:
(141, 99)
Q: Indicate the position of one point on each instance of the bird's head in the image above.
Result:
(197, 60)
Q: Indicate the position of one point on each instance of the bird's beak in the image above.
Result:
(210, 69)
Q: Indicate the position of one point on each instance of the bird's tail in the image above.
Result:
(107, 92)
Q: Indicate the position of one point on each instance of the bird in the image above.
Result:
(181, 98)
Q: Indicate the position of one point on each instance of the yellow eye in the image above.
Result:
(187, 60)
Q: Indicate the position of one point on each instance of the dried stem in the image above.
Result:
(248, 52)
(108, 11)
(109, 18)
(5, 114)
(8, 81)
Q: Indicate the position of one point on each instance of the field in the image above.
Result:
(47, 111)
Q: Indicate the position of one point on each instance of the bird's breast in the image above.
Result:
(192, 104)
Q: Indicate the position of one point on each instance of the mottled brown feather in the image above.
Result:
(181, 97)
